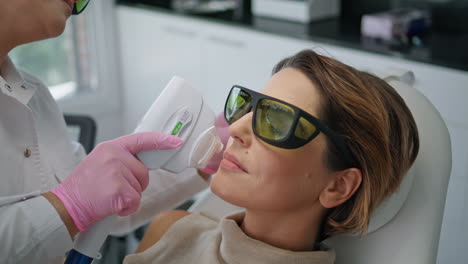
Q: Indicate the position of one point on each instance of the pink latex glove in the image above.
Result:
(222, 129)
(110, 179)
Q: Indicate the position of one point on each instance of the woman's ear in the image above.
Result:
(344, 184)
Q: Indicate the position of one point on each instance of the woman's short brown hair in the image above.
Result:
(376, 125)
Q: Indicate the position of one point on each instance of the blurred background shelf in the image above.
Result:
(447, 49)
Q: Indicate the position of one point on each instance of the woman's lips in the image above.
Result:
(231, 163)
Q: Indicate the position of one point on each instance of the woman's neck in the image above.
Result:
(3, 58)
(3, 53)
(295, 231)
(6, 44)
(12, 34)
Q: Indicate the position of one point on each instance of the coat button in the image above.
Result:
(27, 153)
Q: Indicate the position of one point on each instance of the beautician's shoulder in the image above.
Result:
(159, 227)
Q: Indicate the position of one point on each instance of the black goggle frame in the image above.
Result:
(290, 141)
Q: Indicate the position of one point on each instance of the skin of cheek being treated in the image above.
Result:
(309, 156)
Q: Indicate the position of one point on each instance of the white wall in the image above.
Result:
(213, 57)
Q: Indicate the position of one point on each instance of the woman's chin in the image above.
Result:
(227, 191)
(56, 27)
(216, 187)
(57, 30)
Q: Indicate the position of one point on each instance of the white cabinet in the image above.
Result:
(232, 55)
(225, 63)
(228, 56)
(213, 57)
(154, 48)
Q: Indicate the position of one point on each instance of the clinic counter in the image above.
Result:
(437, 48)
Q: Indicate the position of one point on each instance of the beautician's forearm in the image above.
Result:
(64, 215)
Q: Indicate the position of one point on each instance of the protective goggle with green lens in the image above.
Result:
(79, 6)
(276, 122)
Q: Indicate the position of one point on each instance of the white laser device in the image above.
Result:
(179, 110)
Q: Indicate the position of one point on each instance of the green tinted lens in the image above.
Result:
(237, 105)
(304, 129)
(273, 120)
(79, 6)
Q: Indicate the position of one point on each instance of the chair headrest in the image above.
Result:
(389, 208)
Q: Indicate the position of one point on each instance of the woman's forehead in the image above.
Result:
(294, 87)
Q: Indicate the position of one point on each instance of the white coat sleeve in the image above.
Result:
(165, 191)
(32, 232)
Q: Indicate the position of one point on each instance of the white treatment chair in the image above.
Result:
(406, 227)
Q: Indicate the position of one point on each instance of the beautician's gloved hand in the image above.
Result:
(222, 129)
(110, 179)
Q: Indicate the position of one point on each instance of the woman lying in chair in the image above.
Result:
(309, 156)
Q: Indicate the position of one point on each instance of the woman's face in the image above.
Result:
(272, 178)
(36, 19)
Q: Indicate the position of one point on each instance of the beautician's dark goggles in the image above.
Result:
(79, 6)
(277, 122)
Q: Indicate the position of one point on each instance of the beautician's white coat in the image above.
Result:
(36, 154)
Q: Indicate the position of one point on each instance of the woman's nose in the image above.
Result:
(241, 130)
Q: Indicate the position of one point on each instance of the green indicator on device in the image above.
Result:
(176, 129)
